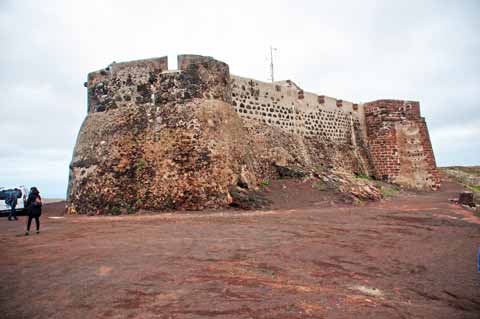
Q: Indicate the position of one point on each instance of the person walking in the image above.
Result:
(12, 201)
(34, 209)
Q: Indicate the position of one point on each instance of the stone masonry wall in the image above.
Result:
(166, 139)
(149, 82)
(399, 144)
(286, 106)
(147, 142)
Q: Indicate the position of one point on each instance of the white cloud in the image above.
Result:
(451, 141)
(457, 133)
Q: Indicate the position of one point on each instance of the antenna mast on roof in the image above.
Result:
(271, 63)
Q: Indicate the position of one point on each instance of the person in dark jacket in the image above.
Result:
(34, 209)
(12, 201)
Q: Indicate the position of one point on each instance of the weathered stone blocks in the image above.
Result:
(198, 138)
(399, 144)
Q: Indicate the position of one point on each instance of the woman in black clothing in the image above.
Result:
(34, 209)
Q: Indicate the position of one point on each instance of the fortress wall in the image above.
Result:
(399, 144)
(431, 165)
(166, 139)
(122, 84)
(288, 107)
(213, 75)
(156, 139)
(184, 60)
(149, 82)
(281, 104)
(174, 138)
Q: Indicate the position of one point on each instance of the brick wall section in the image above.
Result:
(430, 158)
(399, 144)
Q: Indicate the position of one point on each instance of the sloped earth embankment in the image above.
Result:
(412, 256)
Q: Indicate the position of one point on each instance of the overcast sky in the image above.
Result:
(354, 50)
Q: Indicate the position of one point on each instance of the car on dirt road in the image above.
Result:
(21, 194)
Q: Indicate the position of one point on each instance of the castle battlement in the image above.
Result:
(149, 81)
(281, 104)
(386, 139)
(286, 106)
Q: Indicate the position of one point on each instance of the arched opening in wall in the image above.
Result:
(172, 62)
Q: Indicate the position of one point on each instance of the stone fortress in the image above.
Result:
(181, 139)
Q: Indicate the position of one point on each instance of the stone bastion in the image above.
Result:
(196, 137)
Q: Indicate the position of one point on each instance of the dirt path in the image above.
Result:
(410, 257)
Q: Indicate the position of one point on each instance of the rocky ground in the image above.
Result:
(311, 255)
(468, 176)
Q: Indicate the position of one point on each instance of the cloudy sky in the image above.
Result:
(354, 50)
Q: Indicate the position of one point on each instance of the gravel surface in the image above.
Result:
(412, 256)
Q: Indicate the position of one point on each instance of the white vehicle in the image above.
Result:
(21, 198)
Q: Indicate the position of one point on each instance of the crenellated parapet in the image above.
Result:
(213, 75)
(149, 81)
(123, 84)
(286, 106)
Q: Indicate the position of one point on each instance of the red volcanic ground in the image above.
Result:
(412, 256)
